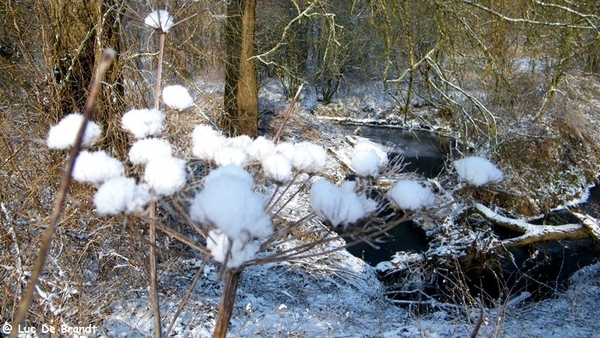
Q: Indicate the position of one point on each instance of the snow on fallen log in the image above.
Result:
(532, 233)
(591, 225)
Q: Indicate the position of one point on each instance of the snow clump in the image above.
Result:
(206, 142)
(411, 195)
(165, 175)
(63, 134)
(230, 155)
(261, 148)
(144, 150)
(160, 19)
(228, 203)
(235, 253)
(96, 167)
(368, 159)
(339, 206)
(121, 195)
(307, 157)
(277, 168)
(143, 122)
(177, 97)
(478, 171)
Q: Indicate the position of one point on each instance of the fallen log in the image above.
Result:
(531, 233)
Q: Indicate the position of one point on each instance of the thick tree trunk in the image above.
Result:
(232, 277)
(241, 88)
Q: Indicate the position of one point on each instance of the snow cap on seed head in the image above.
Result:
(121, 195)
(411, 195)
(228, 203)
(159, 19)
(206, 142)
(143, 122)
(96, 167)
(177, 97)
(339, 206)
(306, 157)
(165, 175)
(142, 151)
(478, 171)
(368, 158)
(63, 134)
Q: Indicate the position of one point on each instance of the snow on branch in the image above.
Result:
(532, 233)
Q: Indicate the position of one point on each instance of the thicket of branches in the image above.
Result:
(477, 61)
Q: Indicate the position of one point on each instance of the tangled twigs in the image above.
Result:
(107, 57)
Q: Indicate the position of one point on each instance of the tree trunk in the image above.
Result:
(80, 31)
(232, 277)
(241, 88)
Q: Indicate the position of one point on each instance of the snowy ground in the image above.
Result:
(340, 296)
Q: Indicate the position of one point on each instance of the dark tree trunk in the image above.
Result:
(241, 88)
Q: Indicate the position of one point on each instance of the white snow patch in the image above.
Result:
(340, 206)
(165, 175)
(159, 19)
(142, 151)
(143, 122)
(121, 195)
(63, 134)
(96, 167)
(411, 195)
(177, 97)
(478, 171)
(229, 203)
(235, 252)
(307, 157)
(277, 168)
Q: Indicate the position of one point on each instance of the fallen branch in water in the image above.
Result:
(532, 233)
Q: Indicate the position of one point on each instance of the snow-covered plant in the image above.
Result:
(411, 195)
(143, 122)
(368, 158)
(228, 203)
(252, 197)
(339, 205)
(177, 97)
(96, 167)
(121, 195)
(62, 135)
(160, 20)
(478, 171)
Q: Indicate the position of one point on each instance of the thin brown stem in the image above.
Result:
(107, 57)
(153, 278)
(161, 52)
(152, 225)
(186, 298)
(288, 113)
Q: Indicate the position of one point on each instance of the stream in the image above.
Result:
(545, 266)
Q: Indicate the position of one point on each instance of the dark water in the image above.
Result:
(424, 152)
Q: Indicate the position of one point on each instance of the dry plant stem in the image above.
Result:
(161, 51)
(232, 277)
(185, 299)
(107, 57)
(152, 206)
(153, 278)
(289, 111)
